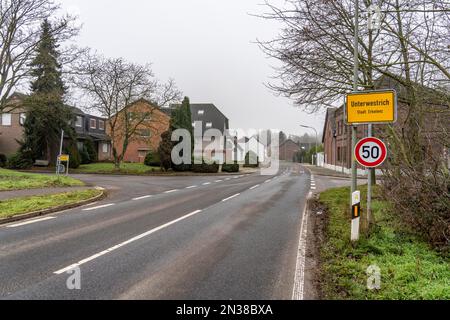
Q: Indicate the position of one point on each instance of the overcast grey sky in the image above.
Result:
(207, 46)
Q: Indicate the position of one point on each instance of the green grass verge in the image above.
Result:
(125, 168)
(13, 180)
(410, 269)
(17, 206)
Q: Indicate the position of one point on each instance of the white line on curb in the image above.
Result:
(299, 280)
(99, 207)
(125, 243)
(30, 222)
(229, 198)
(142, 198)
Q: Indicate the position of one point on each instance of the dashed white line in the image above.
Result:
(125, 243)
(30, 222)
(99, 207)
(229, 198)
(254, 187)
(207, 183)
(171, 191)
(267, 181)
(142, 198)
(217, 181)
(191, 187)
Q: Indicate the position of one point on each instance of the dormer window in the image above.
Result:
(209, 124)
(201, 112)
(93, 124)
(101, 124)
(79, 122)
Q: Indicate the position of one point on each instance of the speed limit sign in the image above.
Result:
(370, 152)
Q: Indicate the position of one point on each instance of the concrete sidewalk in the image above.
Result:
(5, 195)
(327, 172)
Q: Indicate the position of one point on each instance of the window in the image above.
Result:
(144, 133)
(22, 118)
(79, 122)
(209, 124)
(101, 124)
(93, 124)
(104, 147)
(142, 153)
(201, 112)
(6, 119)
(80, 145)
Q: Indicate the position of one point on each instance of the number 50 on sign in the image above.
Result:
(370, 152)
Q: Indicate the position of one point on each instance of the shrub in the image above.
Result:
(251, 160)
(75, 159)
(230, 167)
(90, 149)
(182, 167)
(84, 157)
(20, 160)
(3, 160)
(205, 168)
(152, 159)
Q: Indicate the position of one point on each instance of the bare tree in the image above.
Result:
(20, 22)
(112, 85)
(409, 51)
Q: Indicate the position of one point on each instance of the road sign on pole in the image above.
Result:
(370, 152)
(376, 106)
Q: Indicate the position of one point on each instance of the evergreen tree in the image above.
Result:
(165, 150)
(182, 119)
(46, 113)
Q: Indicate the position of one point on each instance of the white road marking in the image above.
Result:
(171, 191)
(142, 198)
(125, 243)
(217, 181)
(237, 177)
(99, 207)
(299, 280)
(313, 188)
(228, 179)
(207, 183)
(191, 187)
(229, 198)
(267, 181)
(254, 187)
(30, 222)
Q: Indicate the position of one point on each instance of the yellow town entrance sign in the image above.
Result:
(371, 107)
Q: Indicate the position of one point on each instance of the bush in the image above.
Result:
(251, 160)
(84, 156)
(3, 160)
(90, 149)
(152, 159)
(230, 167)
(205, 168)
(20, 160)
(75, 159)
(181, 167)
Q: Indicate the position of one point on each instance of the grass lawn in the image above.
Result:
(12, 207)
(125, 168)
(410, 269)
(13, 180)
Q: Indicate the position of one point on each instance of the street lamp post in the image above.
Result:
(317, 139)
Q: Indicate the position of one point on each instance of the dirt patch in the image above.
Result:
(318, 220)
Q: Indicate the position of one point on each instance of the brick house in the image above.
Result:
(288, 149)
(86, 126)
(147, 135)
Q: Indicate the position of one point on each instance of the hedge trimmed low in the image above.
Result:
(230, 167)
(205, 168)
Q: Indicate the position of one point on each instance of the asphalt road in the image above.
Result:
(212, 237)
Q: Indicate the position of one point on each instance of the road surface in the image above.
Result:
(197, 237)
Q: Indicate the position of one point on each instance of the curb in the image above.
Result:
(53, 210)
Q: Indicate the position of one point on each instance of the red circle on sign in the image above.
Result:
(379, 160)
